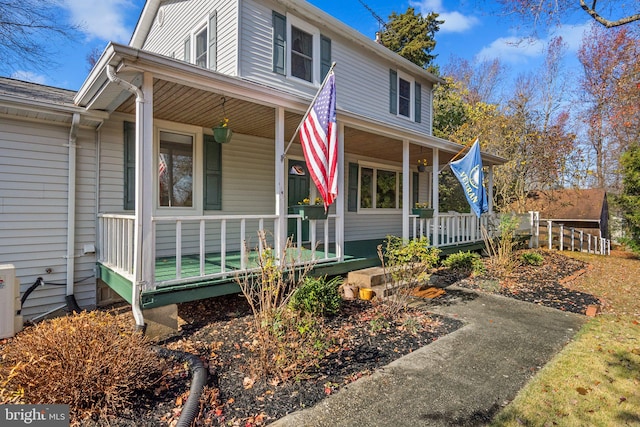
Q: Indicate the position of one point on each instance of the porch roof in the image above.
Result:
(189, 94)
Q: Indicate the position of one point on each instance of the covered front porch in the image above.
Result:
(156, 250)
(225, 251)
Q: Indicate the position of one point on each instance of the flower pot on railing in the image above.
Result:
(309, 211)
(423, 212)
(222, 135)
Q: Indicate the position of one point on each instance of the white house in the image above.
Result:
(129, 166)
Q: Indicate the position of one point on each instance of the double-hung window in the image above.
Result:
(299, 50)
(200, 45)
(175, 170)
(188, 174)
(301, 54)
(405, 96)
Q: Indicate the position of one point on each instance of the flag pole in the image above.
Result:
(457, 154)
(333, 64)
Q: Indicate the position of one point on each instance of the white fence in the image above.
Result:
(566, 238)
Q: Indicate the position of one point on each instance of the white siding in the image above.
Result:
(362, 79)
(33, 210)
(181, 17)
(247, 183)
(111, 170)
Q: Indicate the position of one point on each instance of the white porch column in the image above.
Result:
(144, 190)
(490, 189)
(341, 194)
(406, 193)
(435, 195)
(281, 200)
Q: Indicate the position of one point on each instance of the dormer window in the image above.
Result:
(299, 50)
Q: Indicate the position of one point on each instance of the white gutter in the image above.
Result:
(71, 204)
(137, 242)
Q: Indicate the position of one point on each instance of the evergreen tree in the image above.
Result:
(629, 200)
(412, 36)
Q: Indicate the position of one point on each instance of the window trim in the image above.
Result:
(197, 171)
(373, 210)
(412, 100)
(190, 45)
(293, 21)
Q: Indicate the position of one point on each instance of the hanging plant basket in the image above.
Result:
(422, 168)
(222, 135)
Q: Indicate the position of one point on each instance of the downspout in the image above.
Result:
(137, 260)
(71, 213)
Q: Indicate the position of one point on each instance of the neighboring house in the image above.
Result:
(130, 166)
(584, 210)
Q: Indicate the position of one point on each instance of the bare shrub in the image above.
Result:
(92, 361)
(502, 247)
(406, 264)
(287, 342)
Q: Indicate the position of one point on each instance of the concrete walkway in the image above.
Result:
(462, 379)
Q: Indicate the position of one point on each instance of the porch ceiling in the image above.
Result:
(183, 104)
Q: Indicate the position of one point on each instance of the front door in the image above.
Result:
(298, 190)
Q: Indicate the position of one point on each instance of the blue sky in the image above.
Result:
(472, 30)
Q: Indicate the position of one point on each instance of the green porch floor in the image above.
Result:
(360, 254)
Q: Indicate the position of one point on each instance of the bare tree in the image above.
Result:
(611, 14)
(609, 91)
(29, 30)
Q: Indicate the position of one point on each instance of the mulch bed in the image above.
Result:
(547, 284)
(219, 331)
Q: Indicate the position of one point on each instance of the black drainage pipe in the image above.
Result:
(191, 408)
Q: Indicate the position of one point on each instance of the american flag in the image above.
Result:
(162, 165)
(319, 139)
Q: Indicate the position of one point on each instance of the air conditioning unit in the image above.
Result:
(10, 321)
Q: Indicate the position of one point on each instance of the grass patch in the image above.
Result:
(595, 380)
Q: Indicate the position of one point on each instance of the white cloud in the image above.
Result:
(572, 35)
(101, 19)
(454, 21)
(511, 50)
(516, 50)
(29, 76)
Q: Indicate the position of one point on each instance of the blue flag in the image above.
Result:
(468, 170)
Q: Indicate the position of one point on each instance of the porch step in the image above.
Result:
(367, 277)
(372, 278)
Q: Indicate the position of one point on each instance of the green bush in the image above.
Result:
(317, 296)
(532, 258)
(93, 361)
(465, 262)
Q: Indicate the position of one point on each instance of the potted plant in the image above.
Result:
(310, 210)
(222, 133)
(423, 210)
(422, 165)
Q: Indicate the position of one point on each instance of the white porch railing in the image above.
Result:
(226, 237)
(115, 243)
(451, 228)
